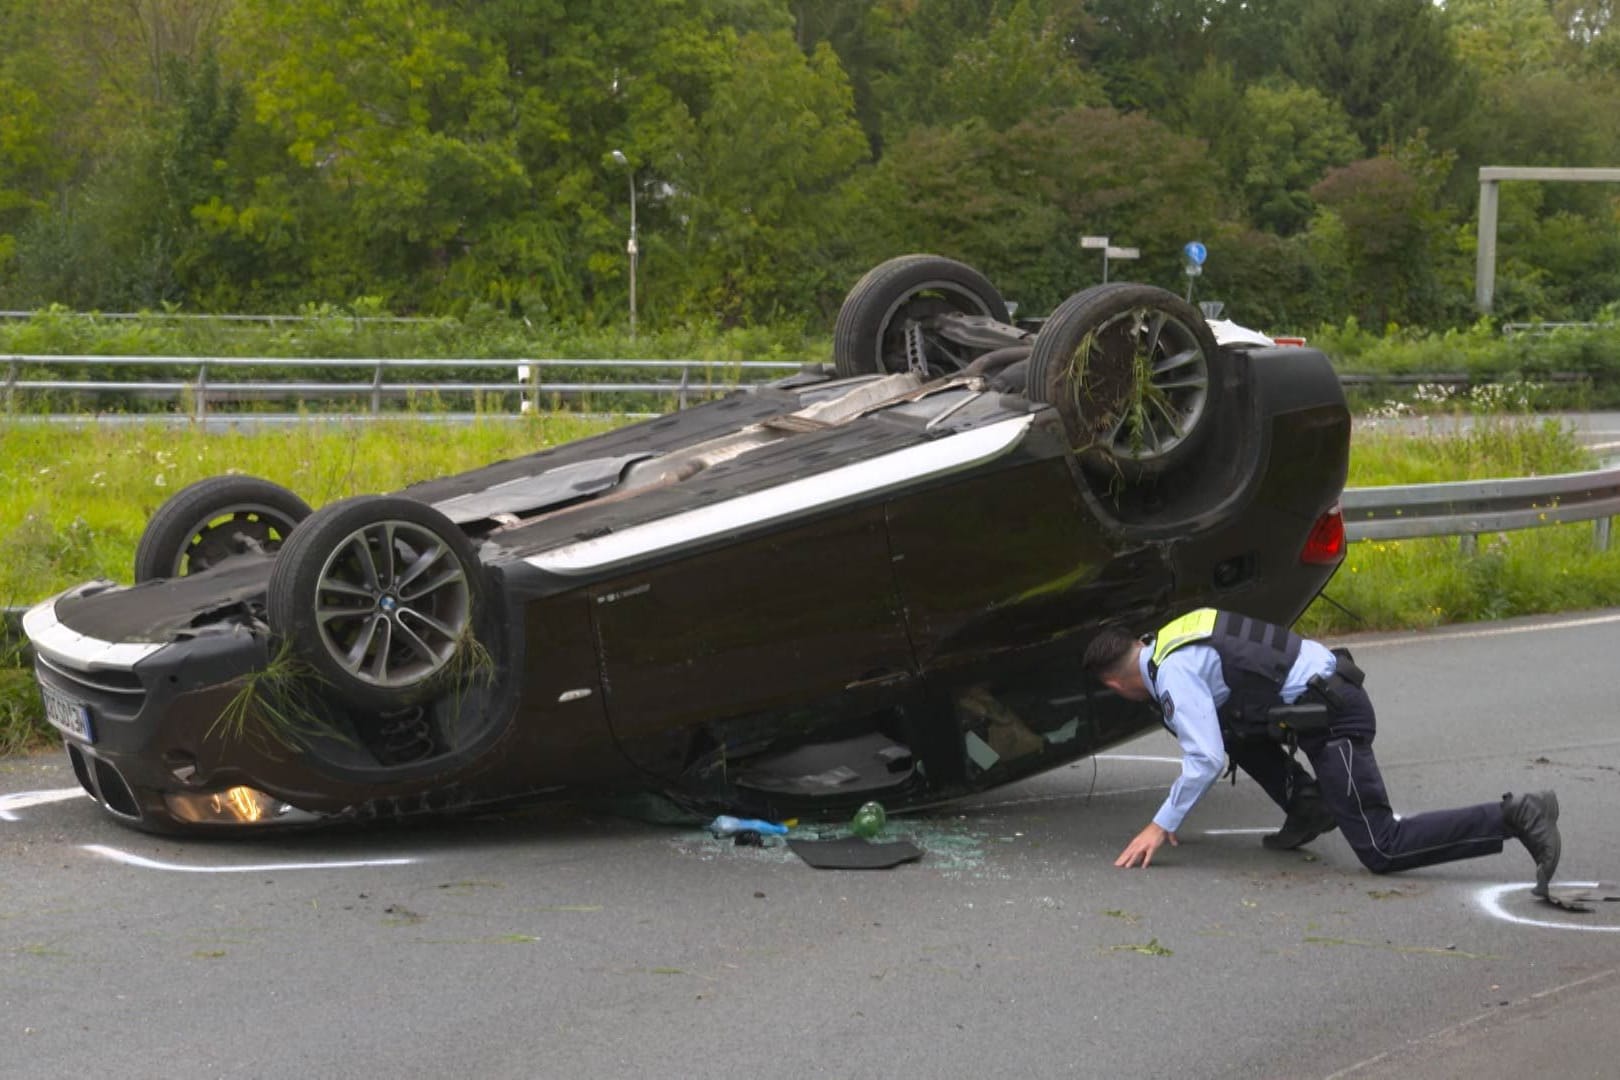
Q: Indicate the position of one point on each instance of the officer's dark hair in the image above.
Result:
(1111, 645)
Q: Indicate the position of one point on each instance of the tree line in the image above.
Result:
(441, 156)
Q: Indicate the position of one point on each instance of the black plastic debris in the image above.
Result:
(854, 853)
(1580, 899)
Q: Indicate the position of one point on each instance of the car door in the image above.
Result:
(801, 626)
(1002, 575)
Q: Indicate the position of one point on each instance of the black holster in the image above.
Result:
(1303, 719)
(1328, 689)
(1345, 667)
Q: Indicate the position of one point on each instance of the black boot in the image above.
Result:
(1533, 820)
(1308, 818)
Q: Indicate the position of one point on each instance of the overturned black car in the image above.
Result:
(867, 582)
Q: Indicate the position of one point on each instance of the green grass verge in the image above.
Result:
(73, 504)
(73, 501)
(1413, 584)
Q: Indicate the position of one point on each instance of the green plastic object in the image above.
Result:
(868, 820)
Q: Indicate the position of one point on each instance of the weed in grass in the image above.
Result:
(1152, 948)
(22, 715)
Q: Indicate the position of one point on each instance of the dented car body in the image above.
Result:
(786, 602)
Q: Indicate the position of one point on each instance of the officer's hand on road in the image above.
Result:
(1146, 843)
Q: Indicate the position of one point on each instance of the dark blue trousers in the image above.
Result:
(1270, 766)
(1354, 790)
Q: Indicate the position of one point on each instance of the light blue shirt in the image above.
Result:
(1189, 690)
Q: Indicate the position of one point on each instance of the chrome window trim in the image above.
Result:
(844, 484)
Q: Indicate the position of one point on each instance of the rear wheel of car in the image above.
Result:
(881, 327)
(378, 595)
(1134, 371)
(213, 520)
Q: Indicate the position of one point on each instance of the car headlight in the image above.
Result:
(234, 806)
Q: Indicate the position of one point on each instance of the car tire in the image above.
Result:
(206, 523)
(1135, 373)
(379, 595)
(869, 336)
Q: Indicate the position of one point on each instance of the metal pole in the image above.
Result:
(1105, 266)
(632, 248)
(1485, 259)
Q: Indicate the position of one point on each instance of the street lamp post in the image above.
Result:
(631, 247)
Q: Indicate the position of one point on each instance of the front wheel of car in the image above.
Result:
(883, 325)
(213, 520)
(379, 595)
(1135, 373)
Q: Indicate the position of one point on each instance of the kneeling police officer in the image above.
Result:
(1229, 685)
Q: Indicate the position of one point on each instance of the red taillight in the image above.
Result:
(1325, 545)
(1294, 341)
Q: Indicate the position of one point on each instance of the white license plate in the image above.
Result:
(68, 715)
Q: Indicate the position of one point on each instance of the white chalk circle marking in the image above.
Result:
(1490, 900)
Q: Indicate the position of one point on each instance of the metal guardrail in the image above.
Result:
(1446, 378)
(1511, 328)
(1471, 507)
(698, 378)
(188, 316)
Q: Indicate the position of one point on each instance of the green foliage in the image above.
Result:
(261, 155)
(1144, 51)
(1388, 232)
(22, 712)
(1037, 186)
(1506, 37)
(1389, 64)
(1017, 70)
(1560, 366)
(778, 138)
(1293, 137)
(25, 160)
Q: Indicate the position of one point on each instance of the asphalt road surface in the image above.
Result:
(566, 942)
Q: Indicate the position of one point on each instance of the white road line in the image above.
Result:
(1490, 899)
(24, 799)
(1031, 799)
(1089, 792)
(144, 863)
